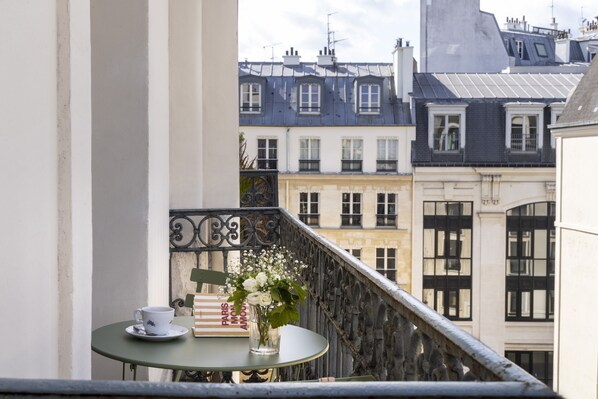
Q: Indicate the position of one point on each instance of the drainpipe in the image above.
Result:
(288, 146)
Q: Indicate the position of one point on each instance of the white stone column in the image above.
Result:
(489, 282)
(130, 160)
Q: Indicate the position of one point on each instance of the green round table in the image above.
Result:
(298, 345)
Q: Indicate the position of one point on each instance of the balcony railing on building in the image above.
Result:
(386, 165)
(309, 165)
(372, 325)
(352, 165)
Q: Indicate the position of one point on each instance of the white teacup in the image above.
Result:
(156, 319)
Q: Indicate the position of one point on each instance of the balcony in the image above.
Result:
(373, 326)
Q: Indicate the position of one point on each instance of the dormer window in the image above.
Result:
(520, 46)
(541, 49)
(525, 127)
(251, 98)
(369, 98)
(309, 98)
(446, 127)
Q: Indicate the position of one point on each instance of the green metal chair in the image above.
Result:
(201, 277)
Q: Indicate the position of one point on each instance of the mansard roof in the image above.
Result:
(452, 86)
(338, 95)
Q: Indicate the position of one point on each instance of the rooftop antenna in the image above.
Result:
(328, 41)
(334, 41)
(271, 48)
(552, 10)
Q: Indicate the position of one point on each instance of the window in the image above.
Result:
(267, 154)
(251, 98)
(356, 252)
(524, 125)
(386, 210)
(352, 155)
(309, 212)
(537, 363)
(386, 262)
(447, 258)
(369, 98)
(530, 262)
(351, 210)
(446, 127)
(309, 155)
(541, 49)
(520, 47)
(524, 132)
(386, 160)
(309, 98)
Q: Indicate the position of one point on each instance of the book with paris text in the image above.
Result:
(215, 317)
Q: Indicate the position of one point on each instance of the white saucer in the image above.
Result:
(138, 331)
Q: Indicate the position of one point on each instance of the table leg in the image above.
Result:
(134, 370)
(177, 375)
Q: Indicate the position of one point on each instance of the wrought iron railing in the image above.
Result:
(259, 188)
(373, 326)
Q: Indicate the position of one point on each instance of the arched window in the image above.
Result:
(530, 262)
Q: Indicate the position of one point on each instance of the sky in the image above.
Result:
(366, 30)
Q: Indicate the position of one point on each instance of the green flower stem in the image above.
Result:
(262, 320)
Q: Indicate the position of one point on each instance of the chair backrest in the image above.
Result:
(201, 277)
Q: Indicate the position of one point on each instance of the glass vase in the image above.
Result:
(263, 339)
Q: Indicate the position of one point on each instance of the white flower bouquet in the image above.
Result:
(269, 282)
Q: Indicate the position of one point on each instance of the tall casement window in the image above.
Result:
(351, 210)
(309, 209)
(530, 262)
(524, 132)
(524, 127)
(386, 210)
(267, 153)
(386, 259)
(387, 158)
(446, 127)
(309, 98)
(537, 363)
(447, 258)
(309, 155)
(251, 98)
(369, 98)
(352, 155)
(520, 47)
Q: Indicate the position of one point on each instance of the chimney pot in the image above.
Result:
(407, 43)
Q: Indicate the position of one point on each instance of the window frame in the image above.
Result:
(370, 106)
(384, 163)
(309, 163)
(310, 109)
(355, 161)
(445, 283)
(268, 162)
(446, 110)
(353, 218)
(386, 257)
(524, 265)
(251, 108)
(309, 199)
(513, 110)
(520, 48)
(538, 45)
(515, 356)
(388, 217)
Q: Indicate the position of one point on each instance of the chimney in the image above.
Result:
(403, 69)
(291, 58)
(554, 25)
(327, 58)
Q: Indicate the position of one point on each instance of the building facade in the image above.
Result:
(576, 337)
(340, 136)
(484, 206)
